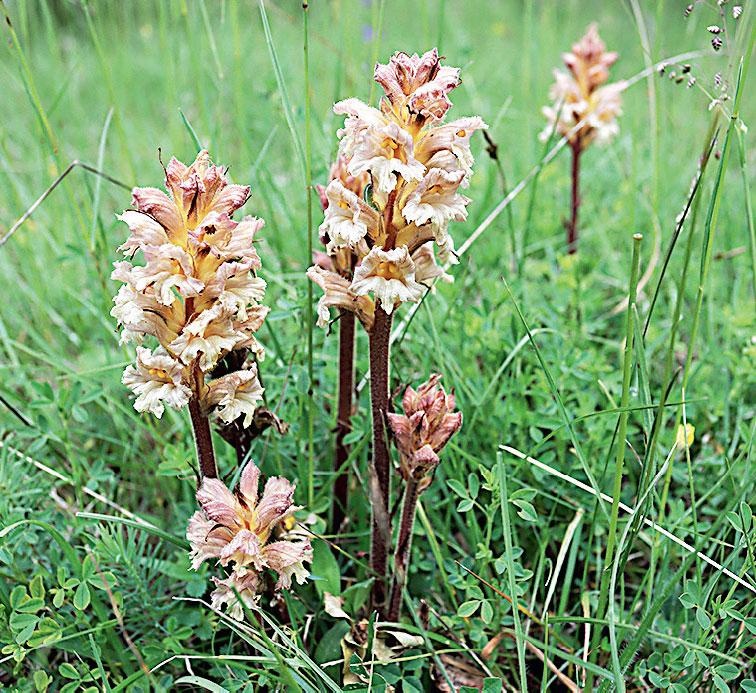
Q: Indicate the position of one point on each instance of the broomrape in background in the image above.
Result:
(393, 229)
(197, 294)
(585, 108)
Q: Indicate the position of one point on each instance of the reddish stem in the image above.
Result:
(380, 465)
(203, 440)
(572, 226)
(343, 417)
(403, 545)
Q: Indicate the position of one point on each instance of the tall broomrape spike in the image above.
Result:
(428, 422)
(585, 108)
(197, 294)
(416, 163)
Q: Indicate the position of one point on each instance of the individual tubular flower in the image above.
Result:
(389, 275)
(347, 218)
(338, 293)
(435, 199)
(427, 268)
(157, 381)
(428, 422)
(197, 292)
(245, 532)
(581, 95)
(225, 594)
(236, 394)
(339, 172)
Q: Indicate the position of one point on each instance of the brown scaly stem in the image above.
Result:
(572, 226)
(380, 465)
(403, 545)
(203, 437)
(203, 440)
(344, 416)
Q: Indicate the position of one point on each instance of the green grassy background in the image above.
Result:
(103, 82)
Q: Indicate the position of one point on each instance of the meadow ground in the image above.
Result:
(107, 83)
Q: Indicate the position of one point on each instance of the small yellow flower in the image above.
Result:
(685, 436)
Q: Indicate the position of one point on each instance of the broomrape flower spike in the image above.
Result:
(395, 185)
(428, 422)
(581, 94)
(246, 533)
(421, 432)
(197, 295)
(393, 193)
(585, 108)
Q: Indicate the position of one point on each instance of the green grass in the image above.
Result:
(531, 340)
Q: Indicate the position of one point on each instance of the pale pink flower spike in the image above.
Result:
(395, 186)
(581, 94)
(197, 292)
(245, 532)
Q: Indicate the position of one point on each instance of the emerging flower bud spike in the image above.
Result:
(428, 422)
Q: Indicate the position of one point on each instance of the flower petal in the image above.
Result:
(218, 502)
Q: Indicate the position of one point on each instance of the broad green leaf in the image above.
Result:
(468, 608)
(491, 685)
(325, 570)
(526, 510)
(703, 618)
(727, 671)
(81, 596)
(37, 587)
(68, 671)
